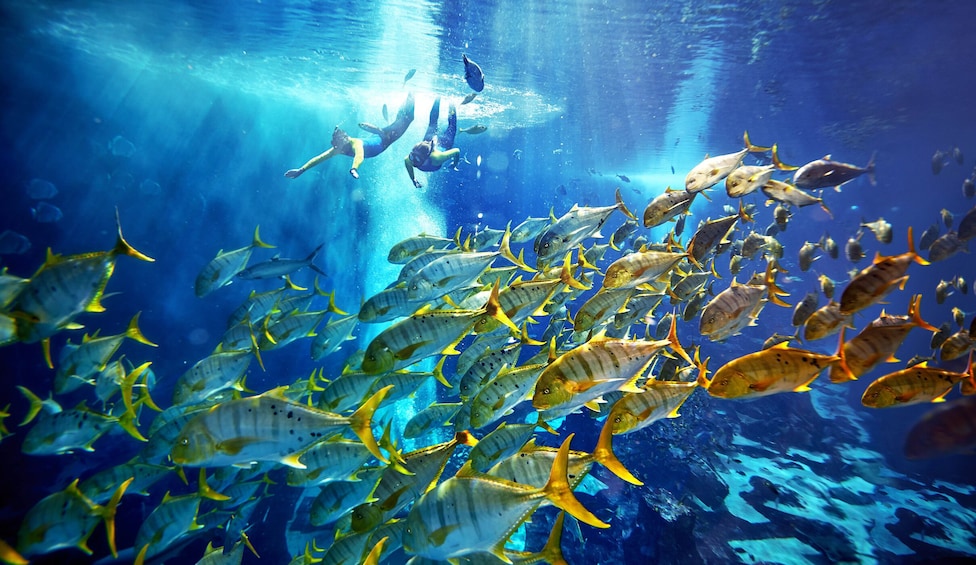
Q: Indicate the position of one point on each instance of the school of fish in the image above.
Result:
(514, 349)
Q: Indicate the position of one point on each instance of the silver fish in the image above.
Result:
(824, 173)
(275, 267)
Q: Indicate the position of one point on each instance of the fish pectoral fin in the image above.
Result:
(906, 396)
(439, 536)
(761, 386)
(408, 351)
(234, 446)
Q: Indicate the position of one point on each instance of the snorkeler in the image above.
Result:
(424, 156)
(361, 148)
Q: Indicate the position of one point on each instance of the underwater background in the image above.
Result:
(184, 116)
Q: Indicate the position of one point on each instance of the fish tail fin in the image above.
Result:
(848, 375)
(311, 256)
(256, 240)
(205, 491)
(566, 275)
(46, 348)
(141, 557)
(829, 213)
(870, 169)
(361, 422)
(915, 311)
(107, 514)
(552, 552)
(779, 164)
(673, 339)
(128, 384)
(623, 207)
(744, 215)
(603, 453)
(557, 489)
(129, 423)
(465, 437)
(773, 290)
(9, 555)
(122, 246)
(332, 305)
(911, 249)
(494, 309)
(753, 148)
(583, 263)
(439, 372)
(506, 250)
(133, 332)
(35, 405)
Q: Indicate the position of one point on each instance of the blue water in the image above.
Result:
(184, 117)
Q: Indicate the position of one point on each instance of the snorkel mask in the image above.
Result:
(420, 152)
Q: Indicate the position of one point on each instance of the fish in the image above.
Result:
(939, 160)
(337, 459)
(429, 332)
(509, 387)
(411, 247)
(658, 400)
(739, 305)
(474, 130)
(13, 243)
(573, 227)
(968, 188)
(333, 335)
(782, 216)
(967, 226)
(946, 246)
(853, 249)
(875, 281)
(914, 385)
(880, 228)
(957, 155)
(943, 290)
(805, 308)
(409, 76)
(67, 518)
(769, 371)
(78, 363)
(386, 114)
(472, 512)
(712, 233)
(635, 269)
(947, 429)
(786, 193)
(807, 257)
(667, 205)
(960, 283)
(40, 189)
(222, 269)
(45, 213)
(623, 178)
(267, 427)
(278, 268)
(528, 229)
(956, 345)
(174, 519)
(929, 236)
(947, 218)
(827, 285)
(473, 74)
(825, 321)
(469, 98)
(824, 173)
(713, 170)
(214, 373)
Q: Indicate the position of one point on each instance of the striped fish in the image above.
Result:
(502, 393)
(411, 247)
(337, 498)
(667, 205)
(476, 513)
(769, 371)
(267, 427)
(914, 385)
(216, 372)
(644, 266)
(428, 333)
(875, 281)
(67, 518)
(825, 321)
(222, 269)
(335, 460)
(712, 170)
(573, 227)
(333, 335)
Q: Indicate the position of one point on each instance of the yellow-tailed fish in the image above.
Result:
(878, 279)
(667, 205)
(222, 269)
(501, 394)
(267, 427)
(768, 371)
(712, 170)
(914, 385)
(472, 513)
(573, 227)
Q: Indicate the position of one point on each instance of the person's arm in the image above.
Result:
(441, 157)
(295, 173)
(409, 166)
(358, 156)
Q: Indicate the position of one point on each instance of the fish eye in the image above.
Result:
(185, 442)
(545, 390)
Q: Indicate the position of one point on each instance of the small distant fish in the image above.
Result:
(939, 160)
(777, 339)
(679, 226)
(827, 286)
(409, 76)
(942, 291)
(959, 316)
(473, 74)
(474, 130)
(968, 188)
(805, 308)
(386, 114)
(469, 98)
(518, 155)
(824, 173)
(928, 237)
(880, 228)
(918, 359)
(828, 244)
(957, 155)
(46, 213)
(13, 243)
(853, 249)
(781, 214)
(960, 283)
(947, 217)
(672, 169)
(946, 246)
(40, 189)
(807, 257)
(623, 178)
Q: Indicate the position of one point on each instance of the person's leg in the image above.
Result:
(446, 140)
(435, 112)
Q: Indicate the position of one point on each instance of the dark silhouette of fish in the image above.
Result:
(409, 76)
(473, 74)
(623, 178)
(824, 173)
(386, 114)
(469, 98)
